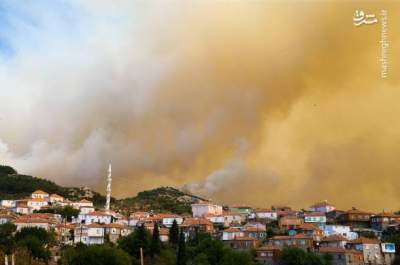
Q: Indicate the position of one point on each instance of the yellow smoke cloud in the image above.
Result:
(262, 102)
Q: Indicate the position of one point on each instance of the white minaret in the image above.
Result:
(108, 189)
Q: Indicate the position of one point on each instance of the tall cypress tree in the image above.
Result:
(174, 233)
(155, 245)
(181, 255)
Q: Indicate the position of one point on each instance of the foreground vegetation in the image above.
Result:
(201, 250)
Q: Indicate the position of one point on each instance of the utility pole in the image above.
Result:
(141, 256)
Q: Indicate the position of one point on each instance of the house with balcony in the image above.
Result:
(206, 208)
(92, 234)
(342, 256)
(384, 220)
(355, 218)
(298, 241)
(317, 218)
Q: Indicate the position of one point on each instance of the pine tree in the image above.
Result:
(181, 255)
(174, 233)
(155, 245)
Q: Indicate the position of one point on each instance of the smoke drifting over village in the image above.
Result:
(266, 102)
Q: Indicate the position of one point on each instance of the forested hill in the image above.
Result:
(160, 200)
(163, 199)
(17, 186)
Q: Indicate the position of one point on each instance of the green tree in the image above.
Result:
(68, 212)
(200, 259)
(174, 233)
(297, 256)
(136, 240)
(35, 241)
(181, 254)
(232, 257)
(155, 245)
(7, 242)
(95, 255)
(7, 170)
(213, 249)
(293, 256)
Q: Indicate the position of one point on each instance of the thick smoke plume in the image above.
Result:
(266, 102)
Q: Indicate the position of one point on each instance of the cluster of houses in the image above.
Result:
(321, 228)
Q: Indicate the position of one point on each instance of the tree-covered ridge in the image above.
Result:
(160, 199)
(163, 199)
(17, 186)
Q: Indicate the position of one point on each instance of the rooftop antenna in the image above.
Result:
(108, 189)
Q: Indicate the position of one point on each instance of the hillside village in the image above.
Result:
(348, 236)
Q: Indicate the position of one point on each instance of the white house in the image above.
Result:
(95, 217)
(231, 234)
(33, 222)
(39, 194)
(114, 231)
(135, 217)
(225, 219)
(323, 207)
(82, 203)
(86, 210)
(22, 207)
(8, 203)
(203, 209)
(266, 214)
(168, 219)
(36, 203)
(54, 198)
(342, 230)
(315, 217)
(5, 218)
(89, 234)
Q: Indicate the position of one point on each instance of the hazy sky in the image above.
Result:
(258, 102)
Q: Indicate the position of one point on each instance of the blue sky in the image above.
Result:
(36, 25)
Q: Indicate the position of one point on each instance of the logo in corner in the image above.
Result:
(360, 18)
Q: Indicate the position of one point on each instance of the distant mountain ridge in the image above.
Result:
(163, 199)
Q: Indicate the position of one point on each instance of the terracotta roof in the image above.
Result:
(356, 211)
(37, 200)
(267, 247)
(297, 236)
(54, 195)
(94, 225)
(115, 225)
(40, 192)
(84, 201)
(164, 232)
(244, 238)
(386, 214)
(98, 213)
(333, 238)
(196, 221)
(167, 215)
(365, 240)
(307, 226)
(314, 214)
(339, 250)
(25, 220)
(232, 230)
(254, 229)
